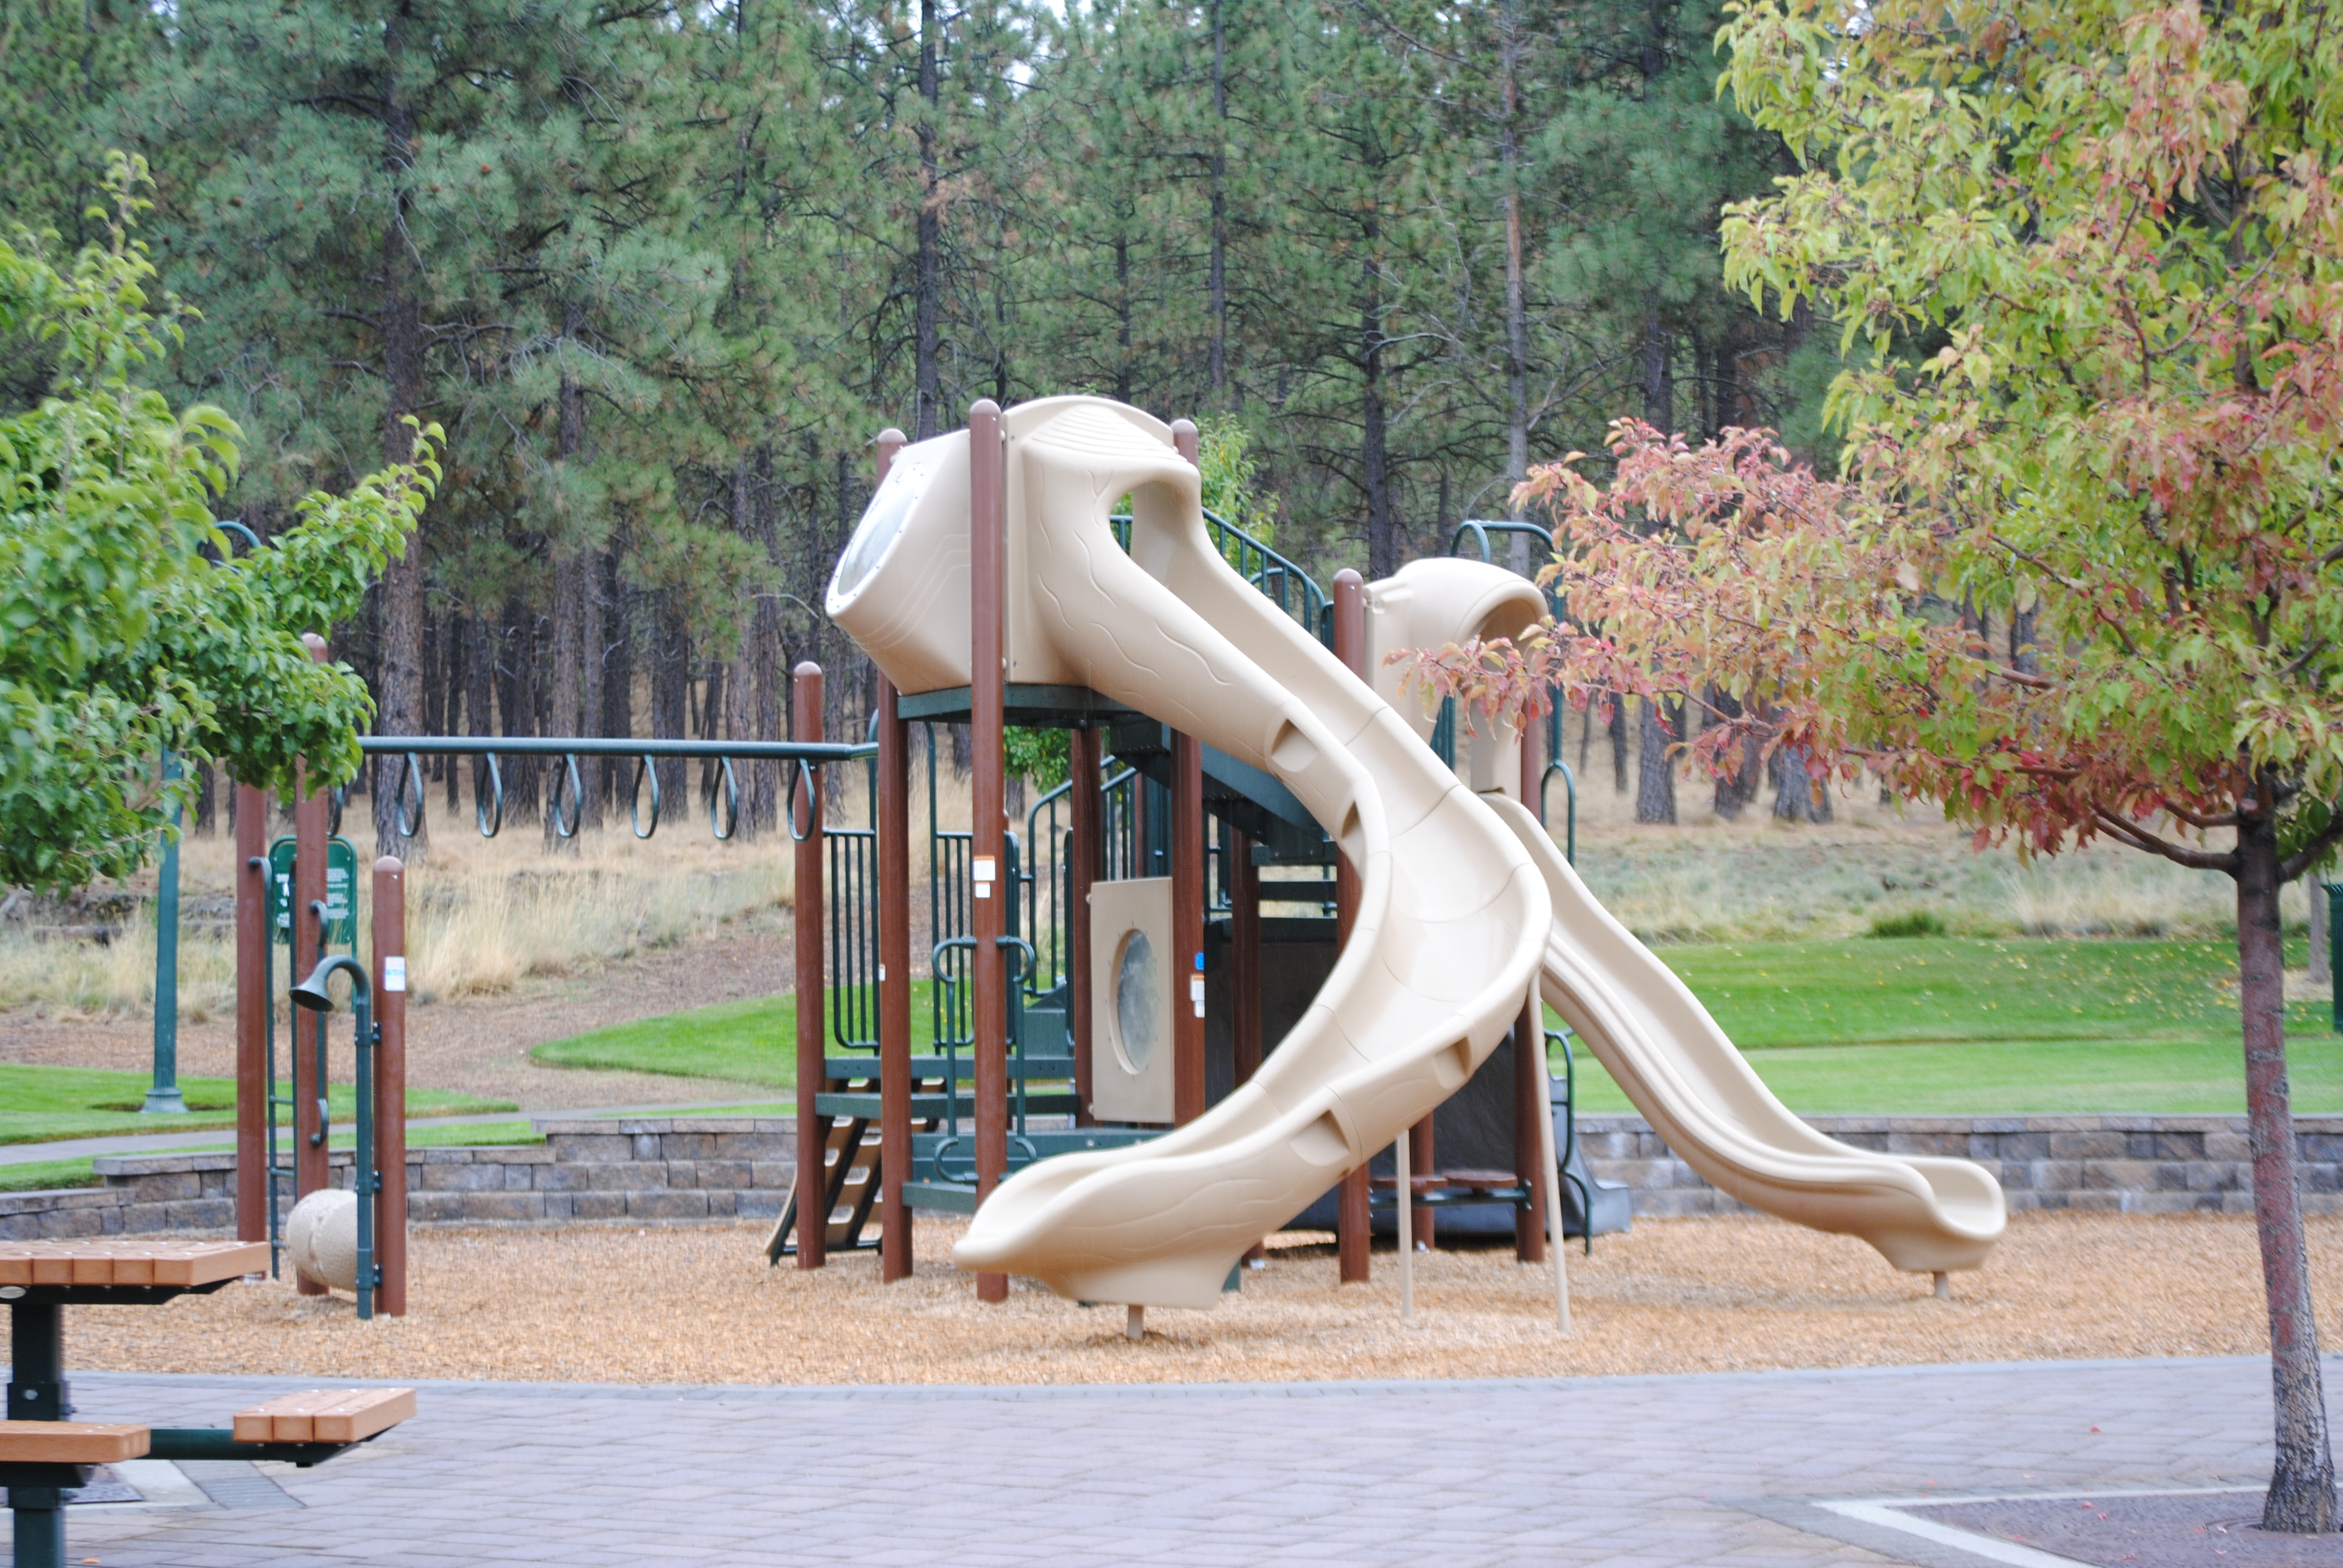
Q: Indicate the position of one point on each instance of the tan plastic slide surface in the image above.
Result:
(1923, 1213)
(1465, 902)
(1451, 914)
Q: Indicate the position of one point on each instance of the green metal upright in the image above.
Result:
(163, 1098)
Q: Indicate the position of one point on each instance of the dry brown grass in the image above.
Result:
(698, 1306)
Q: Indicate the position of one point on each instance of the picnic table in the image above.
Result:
(44, 1452)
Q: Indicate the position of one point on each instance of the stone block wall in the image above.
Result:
(675, 1170)
(2126, 1164)
(650, 1171)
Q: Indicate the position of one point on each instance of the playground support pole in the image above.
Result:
(390, 1086)
(804, 900)
(1188, 926)
(311, 1170)
(1085, 807)
(987, 520)
(252, 1005)
(1533, 1104)
(1403, 1208)
(1188, 887)
(1532, 1100)
(894, 827)
(1245, 972)
(1549, 1164)
(1352, 1236)
(310, 1167)
(163, 1098)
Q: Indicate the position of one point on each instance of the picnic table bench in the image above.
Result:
(44, 1452)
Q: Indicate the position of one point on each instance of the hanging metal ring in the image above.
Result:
(410, 791)
(724, 804)
(644, 767)
(567, 785)
(802, 772)
(487, 794)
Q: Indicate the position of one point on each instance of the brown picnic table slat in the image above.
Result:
(129, 1262)
(326, 1416)
(69, 1443)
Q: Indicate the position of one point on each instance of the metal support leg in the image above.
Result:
(37, 1392)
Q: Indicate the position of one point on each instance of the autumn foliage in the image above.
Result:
(2086, 261)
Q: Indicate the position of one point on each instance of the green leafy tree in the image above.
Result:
(122, 640)
(2122, 230)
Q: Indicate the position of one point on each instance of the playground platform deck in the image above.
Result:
(1721, 1469)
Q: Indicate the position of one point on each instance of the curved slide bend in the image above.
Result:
(1924, 1213)
(1452, 915)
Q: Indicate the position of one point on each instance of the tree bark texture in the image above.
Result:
(1383, 522)
(2301, 1497)
(1655, 774)
(398, 685)
(927, 243)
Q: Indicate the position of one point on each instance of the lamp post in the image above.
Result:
(164, 1099)
(365, 1179)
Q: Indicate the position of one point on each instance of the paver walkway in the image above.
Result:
(1608, 1472)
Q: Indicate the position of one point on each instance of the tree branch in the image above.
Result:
(2125, 831)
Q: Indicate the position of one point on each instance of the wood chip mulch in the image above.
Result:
(698, 1306)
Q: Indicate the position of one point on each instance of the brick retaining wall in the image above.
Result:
(658, 1170)
(669, 1170)
(2129, 1165)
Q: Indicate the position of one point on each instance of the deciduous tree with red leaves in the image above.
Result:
(2088, 258)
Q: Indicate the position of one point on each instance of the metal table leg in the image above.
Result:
(37, 1392)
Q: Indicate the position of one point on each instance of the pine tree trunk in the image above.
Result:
(618, 674)
(671, 698)
(2302, 1486)
(398, 688)
(570, 588)
(1216, 367)
(740, 679)
(1517, 325)
(592, 643)
(517, 707)
(1798, 795)
(928, 303)
(1655, 781)
(1383, 526)
(1617, 726)
(1735, 791)
(567, 712)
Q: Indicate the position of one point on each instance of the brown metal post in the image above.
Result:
(1188, 892)
(1421, 1158)
(1530, 1102)
(987, 522)
(1244, 956)
(805, 910)
(894, 827)
(1352, 1233)
(1245, 968)
(1086, 854)
(390, 1084)
(310, 1164)
(253, 1001)
(1188, 926)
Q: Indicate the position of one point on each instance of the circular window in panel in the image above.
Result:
(1138, 1001)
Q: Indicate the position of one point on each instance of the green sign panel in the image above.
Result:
(341, 892)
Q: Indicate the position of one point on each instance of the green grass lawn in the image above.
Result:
(47, 1175)
(1928, 1025)
(1987, 1027)
(39, 1104)
(751, 1041)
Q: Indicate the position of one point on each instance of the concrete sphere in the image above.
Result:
(321, 1237)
